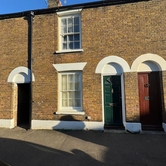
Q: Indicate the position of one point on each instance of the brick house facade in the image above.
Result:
(107, 43)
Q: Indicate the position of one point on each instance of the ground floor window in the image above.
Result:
(71, 91)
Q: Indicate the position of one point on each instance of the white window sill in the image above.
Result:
(70, 112)
(66, 51)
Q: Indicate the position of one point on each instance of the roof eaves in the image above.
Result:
(71, 7)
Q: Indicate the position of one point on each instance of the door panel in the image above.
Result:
(112, 100)
(150, 99)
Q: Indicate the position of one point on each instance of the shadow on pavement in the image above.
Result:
(122, 149)
(22, 153)
(81, 148)
(126, 149)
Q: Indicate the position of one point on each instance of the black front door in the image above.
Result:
(112, 101)
(23, 115)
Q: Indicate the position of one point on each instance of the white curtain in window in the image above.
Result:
(71, 91)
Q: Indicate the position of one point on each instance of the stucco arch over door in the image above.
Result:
(20, 75)
(148, 62)
(111, 69)
(118, 64)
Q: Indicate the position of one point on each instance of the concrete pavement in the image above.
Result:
(19, 147)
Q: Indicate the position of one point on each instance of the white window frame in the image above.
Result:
(66, 68)
(69, 110)
(67, 14)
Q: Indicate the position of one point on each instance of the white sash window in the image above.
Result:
(70, 31)
(71, 91)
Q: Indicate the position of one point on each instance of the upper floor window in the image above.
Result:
(70, 31)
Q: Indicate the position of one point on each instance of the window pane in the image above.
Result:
(76, 20)
(77, 86)
(64, 78)
(77, 94)
(64, 95)
(70, 29)
(76, 28)
(71, 103)
(64, 30)
(70, 45)
(77, 78)
(76, 37)
(76, 45)
(70, 21)
(64, 82)
(64, 38)
(77, 103)
(63, 22)
(64, 46)
(71, 82)
(71, 95)
(77, 82)
(70, 38)
(64, 103)
(70, 86)
(70, 77)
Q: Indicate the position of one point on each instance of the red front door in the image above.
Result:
(150, 99)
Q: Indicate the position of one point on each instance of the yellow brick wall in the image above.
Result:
(126, 30)
(13, 53)
(131, 97)
(44, 87)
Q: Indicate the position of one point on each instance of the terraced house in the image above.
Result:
(91, 66)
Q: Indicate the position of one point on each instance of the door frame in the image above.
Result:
(122, 95)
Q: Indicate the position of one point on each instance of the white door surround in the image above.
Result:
(113, 65)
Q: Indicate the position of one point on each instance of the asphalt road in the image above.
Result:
(19, 147)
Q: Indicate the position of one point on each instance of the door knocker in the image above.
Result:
(147, 85)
